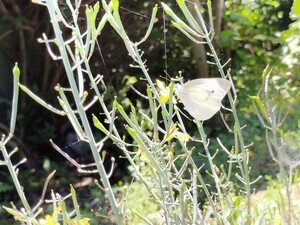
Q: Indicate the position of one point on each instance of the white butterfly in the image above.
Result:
(202, 97)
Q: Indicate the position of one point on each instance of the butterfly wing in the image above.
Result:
(202, 97)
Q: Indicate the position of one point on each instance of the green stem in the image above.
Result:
(52, 8)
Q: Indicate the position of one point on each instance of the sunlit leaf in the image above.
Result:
(98, 124)
(296, 7)
(174, 133)
(260, 105)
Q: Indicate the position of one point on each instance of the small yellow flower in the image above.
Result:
(174, 133)
(181, 136)
(83, 221)
(51, 220)
(48, 221)
(164, 91)
(142, 156)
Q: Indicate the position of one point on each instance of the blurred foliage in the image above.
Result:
(252, 35)
(270, 205)
(139, 202)
(252, 39)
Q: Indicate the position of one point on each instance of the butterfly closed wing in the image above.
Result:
(202, 97)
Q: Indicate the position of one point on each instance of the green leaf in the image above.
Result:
(99, 125)
(75, 202)
(17, 215)
(238, 201)
(260, 105)
(296, 7)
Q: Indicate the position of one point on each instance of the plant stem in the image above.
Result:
(52, 8)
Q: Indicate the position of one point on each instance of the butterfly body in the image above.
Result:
(202, 97)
